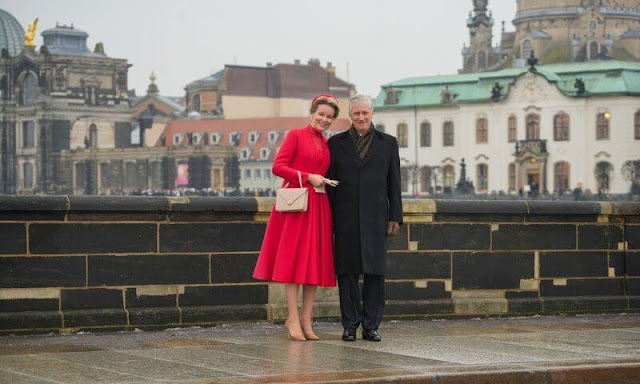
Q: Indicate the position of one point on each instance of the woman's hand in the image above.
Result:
(315, 180)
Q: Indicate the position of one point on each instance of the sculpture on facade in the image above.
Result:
(30, 35)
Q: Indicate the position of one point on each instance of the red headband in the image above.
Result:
(325, 96)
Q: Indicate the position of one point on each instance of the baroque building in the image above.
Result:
(557, 31)
(55, 100)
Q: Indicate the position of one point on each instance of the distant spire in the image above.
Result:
(153, 88)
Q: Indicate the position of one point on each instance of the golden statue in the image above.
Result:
(30, 35)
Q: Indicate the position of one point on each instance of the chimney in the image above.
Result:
(330, 68)
(314, 61)
(296, 61)
(269, 65)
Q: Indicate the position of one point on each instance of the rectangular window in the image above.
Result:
(247, 173)
(513, 129)
(447, 134)
(425, 134)
(80, 175)
(482, 131)
(405, 175)
(512, 177)
(403, 135)
(28, 134)
(257, 174)
(602, 126)
(267, 173)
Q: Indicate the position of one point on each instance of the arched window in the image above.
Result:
(27, 173)
(594, 51)
(636, 124)
(482, 176)
(449, 177)
(603, 174)
(561, 127)
(513, 129)
(425, 134)
(602, 126)
(527, 48)
(447, 134)
(512, 177)
(93, 136)
(482, 59)
(482, 130)
(403, 135)
(561, 173)
(533, 127)
(29, 89)
(425, 178)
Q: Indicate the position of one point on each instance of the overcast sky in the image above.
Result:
(185, 40)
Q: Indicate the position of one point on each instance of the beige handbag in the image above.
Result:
(292, 199)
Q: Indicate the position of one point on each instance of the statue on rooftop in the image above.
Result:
(30, 35)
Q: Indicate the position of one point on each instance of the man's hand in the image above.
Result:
(392, 228)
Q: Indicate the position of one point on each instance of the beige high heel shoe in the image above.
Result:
(291, 336)
(308, 333)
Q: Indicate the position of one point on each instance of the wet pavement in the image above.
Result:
(577, 349)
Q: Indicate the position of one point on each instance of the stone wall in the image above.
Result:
(84, 262)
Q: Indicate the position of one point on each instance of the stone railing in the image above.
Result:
(74, 262)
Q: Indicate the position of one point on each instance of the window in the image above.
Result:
(93, 136)
(602, 126)
(253, 137)
(447, 134)
(603, 173)
(177, 138)
(425, 134)
(196, 103)
(561, 176)
(482, 177)
(391, 97)
(215, 138)
(594, 51)
(132, 176)
(245, 154)
(513, 129)
(405, 175)
(403, 135)
(482, 130)
(27, 172)
(380, 127)
(264, 153)
(425, 179)
(512, 177)
(234, 138)
(267, 173)
(533, 127)
(91, 95)
(482, 59)
(29, 89)
(105, 174)
(527, 48)
(636, 123)
(561, 127)
(28, 134)
(273, 136)
(247, 173)
(257, 173)
(80, 175)
(449, 178)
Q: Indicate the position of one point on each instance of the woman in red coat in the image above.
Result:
(298, 246)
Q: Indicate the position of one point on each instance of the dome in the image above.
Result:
(11, 34)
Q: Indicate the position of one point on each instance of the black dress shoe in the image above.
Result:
(349, 335)
(371, 335)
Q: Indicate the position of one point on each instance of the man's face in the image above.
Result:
(361, 116)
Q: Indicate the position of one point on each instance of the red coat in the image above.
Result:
(298, 246)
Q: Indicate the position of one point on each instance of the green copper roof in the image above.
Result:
(600, 78)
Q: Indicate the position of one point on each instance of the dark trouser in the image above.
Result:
(367, 310)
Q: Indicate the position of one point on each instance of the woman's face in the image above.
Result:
(322, 118)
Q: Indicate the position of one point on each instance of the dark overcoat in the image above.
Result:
(367, 198)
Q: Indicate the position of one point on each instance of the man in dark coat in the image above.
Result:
(366, 208)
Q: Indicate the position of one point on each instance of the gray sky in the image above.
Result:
(189, 39)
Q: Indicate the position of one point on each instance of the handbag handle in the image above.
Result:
(299, 180)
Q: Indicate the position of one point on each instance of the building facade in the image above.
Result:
(281, 90)
(557, 31)
(548, 128)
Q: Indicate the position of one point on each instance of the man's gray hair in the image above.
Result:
(360, 99)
